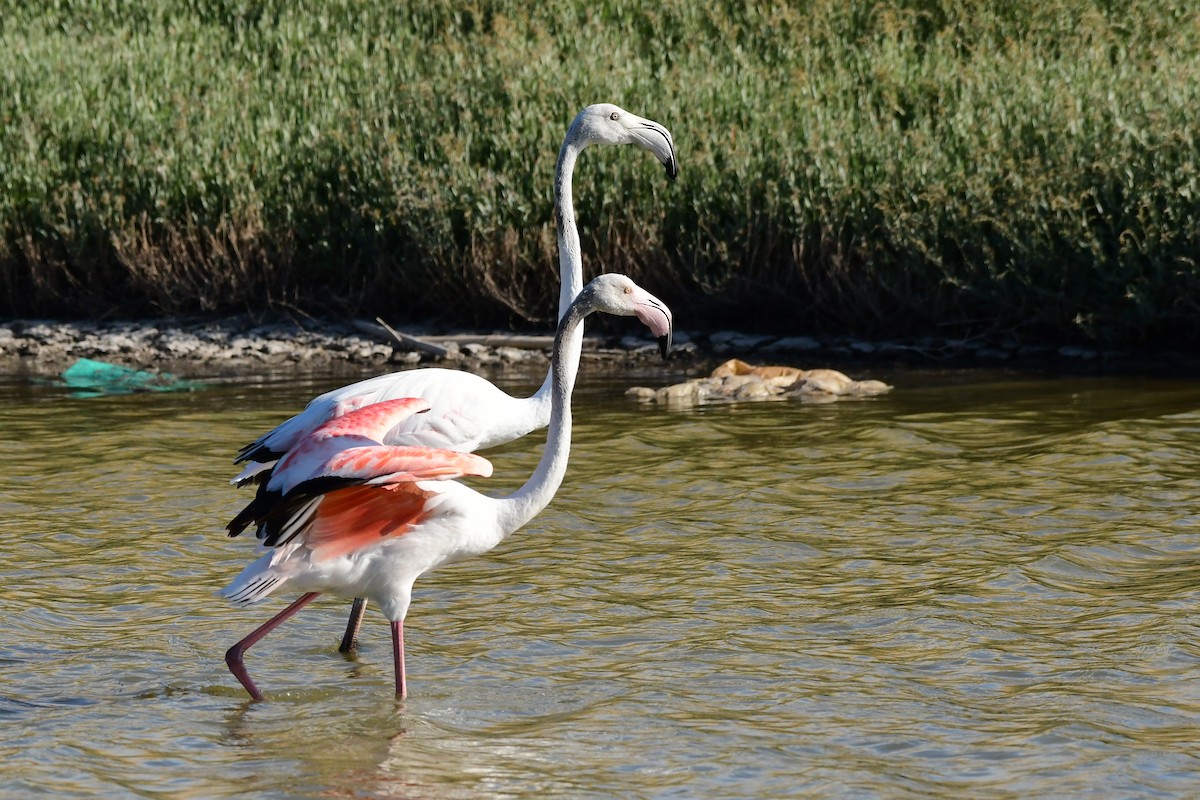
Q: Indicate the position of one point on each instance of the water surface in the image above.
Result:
(980, 585)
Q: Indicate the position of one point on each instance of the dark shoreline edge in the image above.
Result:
(240, 345)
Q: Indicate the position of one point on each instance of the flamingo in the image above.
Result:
(346, 513)
(467, 412)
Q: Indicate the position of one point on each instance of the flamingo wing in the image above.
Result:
(348, 520)
(467, 412)
(372, 420)
(339, 455)
(335, 524)
(361, 428)
(386, 464)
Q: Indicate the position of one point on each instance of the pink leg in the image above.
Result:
(233, 656)
(398, 657)
(350, 637)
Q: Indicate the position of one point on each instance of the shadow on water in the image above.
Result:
(980, 585)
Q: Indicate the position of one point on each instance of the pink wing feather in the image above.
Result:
(384, 503)
(352, 519)
(373, 421)
(387, 464)
(349, 447)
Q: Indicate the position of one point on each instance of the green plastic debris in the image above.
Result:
(90, 377)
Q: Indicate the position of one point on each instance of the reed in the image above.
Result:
(889, 167)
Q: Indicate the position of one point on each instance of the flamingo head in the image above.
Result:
(604, 123)
(617, 294)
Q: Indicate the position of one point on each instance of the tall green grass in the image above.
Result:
(878, 167)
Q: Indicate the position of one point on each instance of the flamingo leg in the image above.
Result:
(398, 657)
(233, 656)
(350, 637)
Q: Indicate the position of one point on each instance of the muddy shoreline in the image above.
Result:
(239, 344)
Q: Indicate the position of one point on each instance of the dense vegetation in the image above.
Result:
(896, 166)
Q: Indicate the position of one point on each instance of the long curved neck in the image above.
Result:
(570, 256)
(525, 503)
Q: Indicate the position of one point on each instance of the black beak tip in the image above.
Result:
(664, 346)
(672, 167)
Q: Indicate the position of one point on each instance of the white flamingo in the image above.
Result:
(467, 412)
(346, 513)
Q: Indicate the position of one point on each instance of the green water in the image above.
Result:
(980, 585)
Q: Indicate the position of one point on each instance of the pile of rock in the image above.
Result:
(46, 346)
(242, 343)
(237, 344)
(735, 380)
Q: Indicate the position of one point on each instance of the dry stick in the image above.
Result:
(431, 345)
(403, 339)
(522, 341)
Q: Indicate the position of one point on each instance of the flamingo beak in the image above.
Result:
(655, 315)
(657, 139)
(672, 167)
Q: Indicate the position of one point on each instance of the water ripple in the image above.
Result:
(981, 588)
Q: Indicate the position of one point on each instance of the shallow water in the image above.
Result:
(980, 585)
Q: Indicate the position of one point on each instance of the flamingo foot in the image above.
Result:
(233, 659)
(233, 656)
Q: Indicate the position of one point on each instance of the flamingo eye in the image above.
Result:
(614, 116)
(628, 290)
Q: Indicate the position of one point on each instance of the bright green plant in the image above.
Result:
(879, 167)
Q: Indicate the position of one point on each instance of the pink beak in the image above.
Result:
(655, 315)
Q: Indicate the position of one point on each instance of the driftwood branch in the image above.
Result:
(381, 330)
(437, 345)
(522, 341)
(412, 342)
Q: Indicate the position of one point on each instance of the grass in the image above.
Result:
(874, 167)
